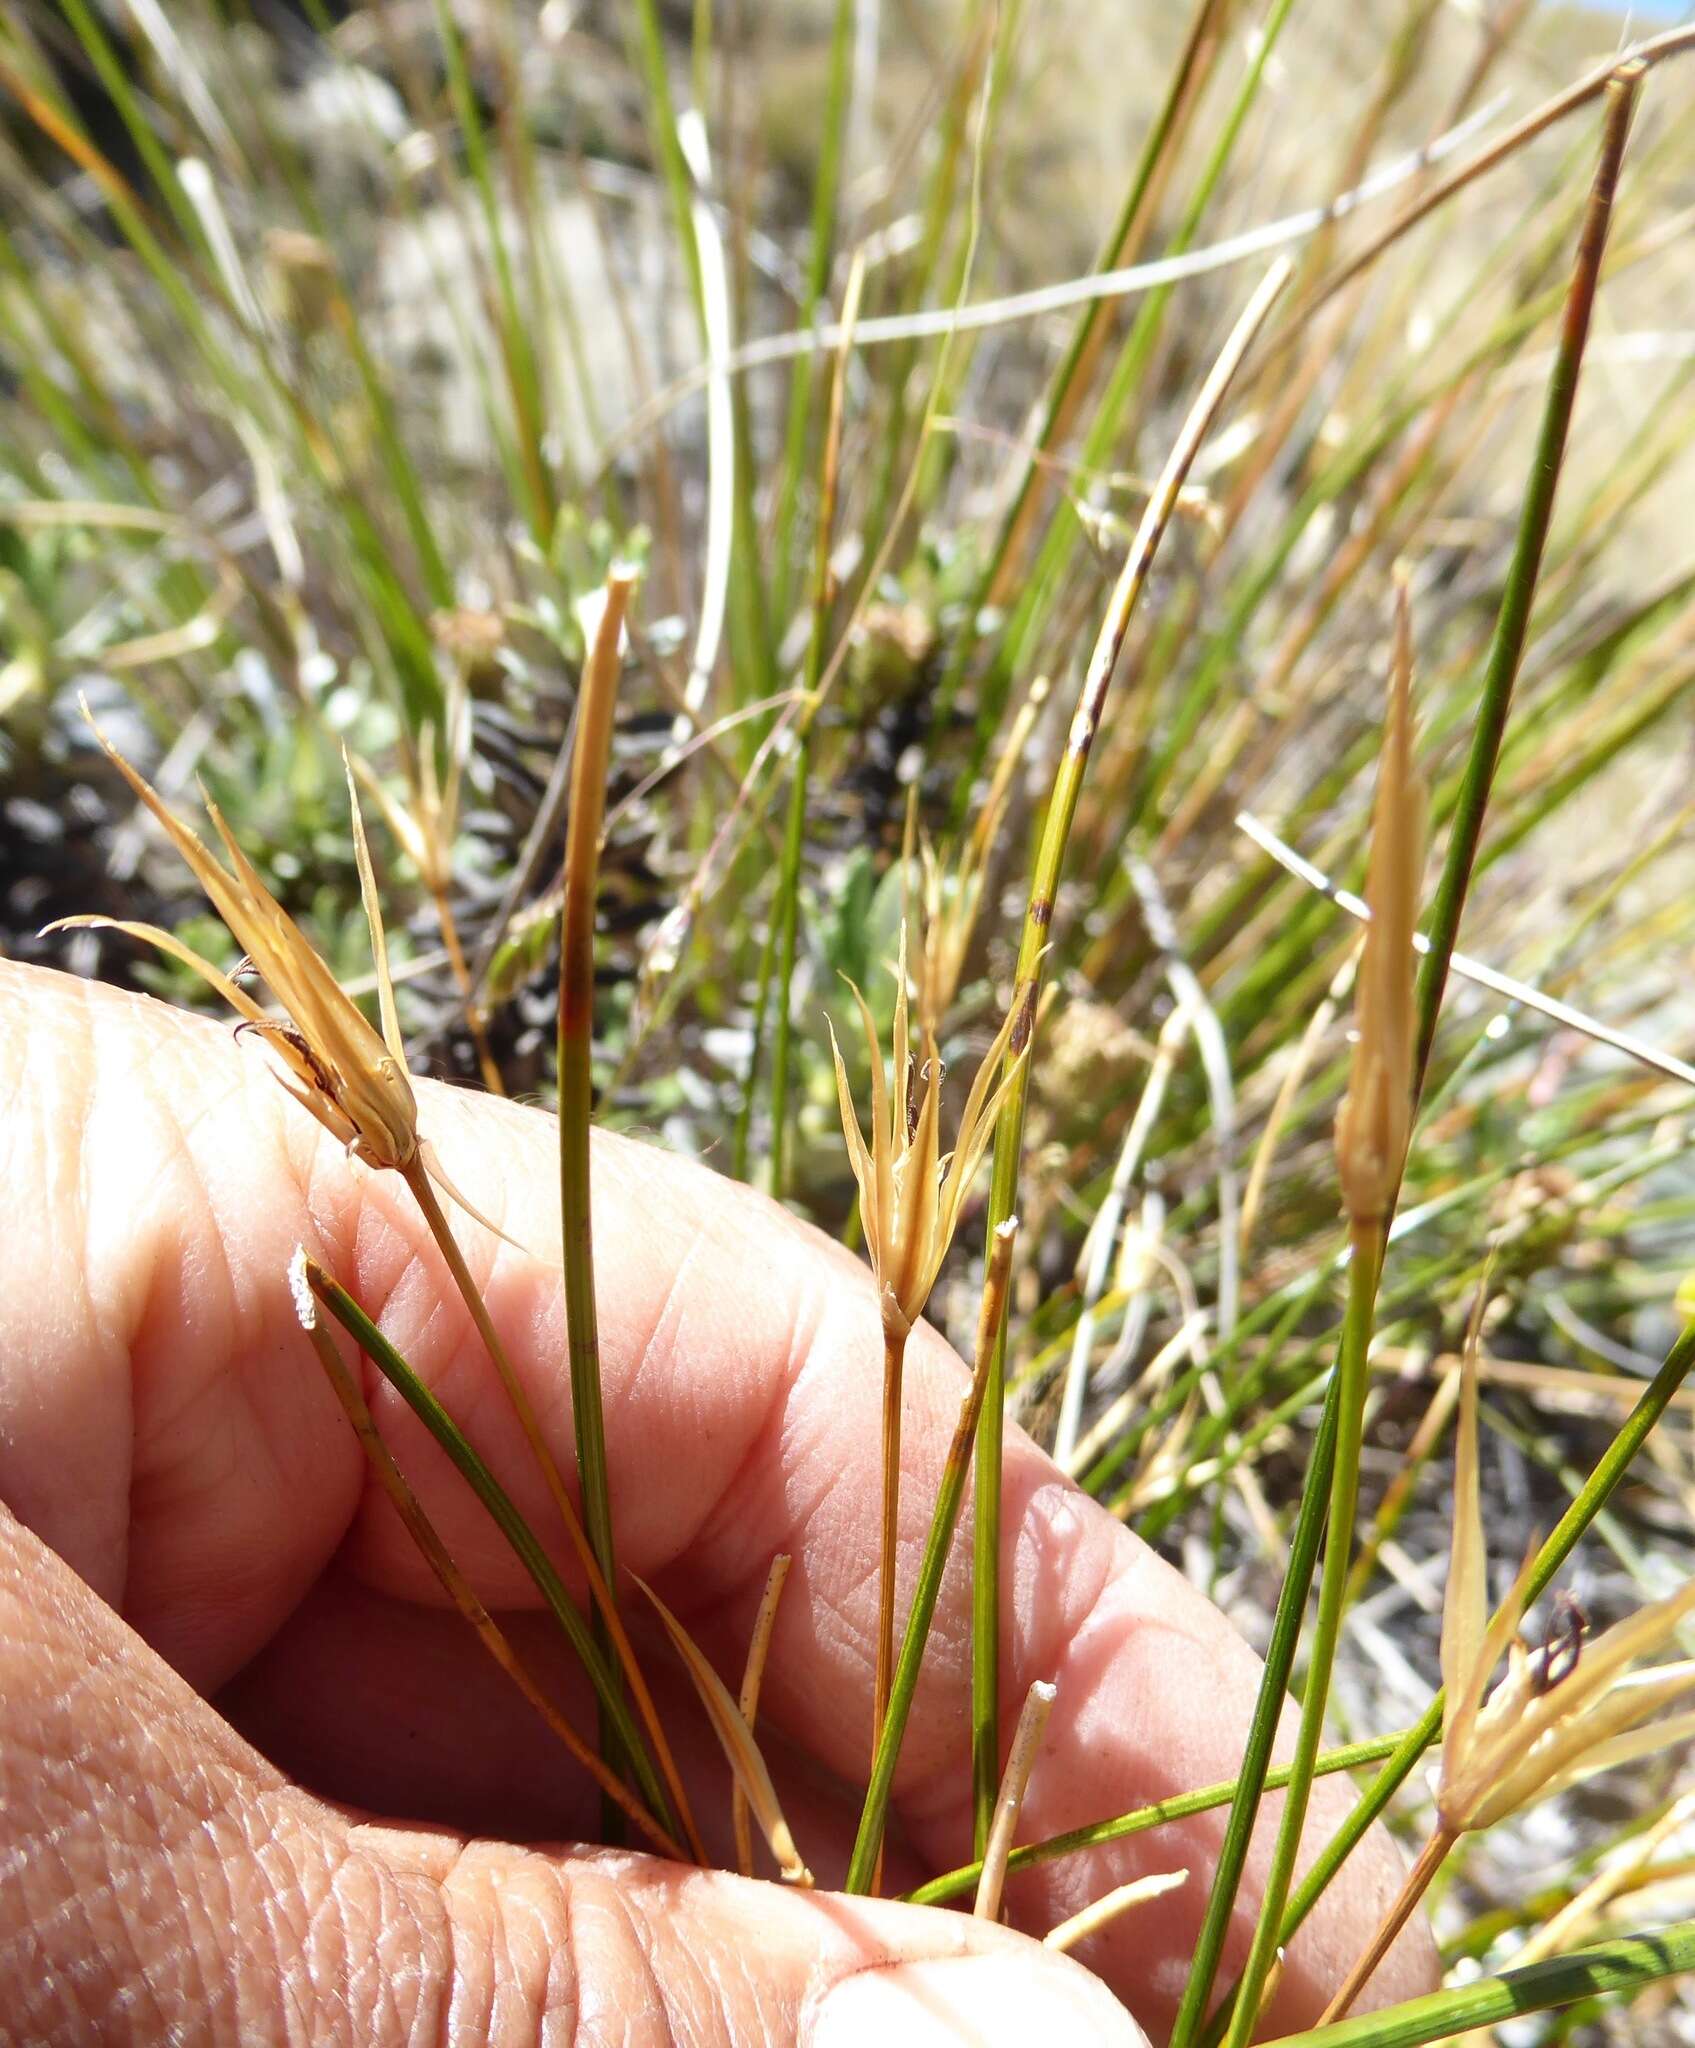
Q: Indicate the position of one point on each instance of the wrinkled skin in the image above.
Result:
(258, 1782)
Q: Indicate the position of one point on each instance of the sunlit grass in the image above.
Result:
(958, 609)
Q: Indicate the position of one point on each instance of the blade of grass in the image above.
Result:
(1512, 623)
(868, 1843)
(1614, 1968)
(951, 1884)
(787, 908)
(452, 1580)
(1497, 689)
(738, 1745)
(494, 1497)
(758, 1649)
(826, 185)
(590, 761)
(1049, 867)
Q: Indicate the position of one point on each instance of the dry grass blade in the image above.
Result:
(1107, 1908)
(759, 1646)
(591, 759)
(1009, 1803)
(437, 1556)
(738, 1745)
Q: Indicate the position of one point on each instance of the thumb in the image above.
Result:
(160, 1880)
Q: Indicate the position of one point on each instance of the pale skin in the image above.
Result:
(258, 1783)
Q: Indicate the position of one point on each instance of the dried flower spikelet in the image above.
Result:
(1565, 1709)
(473, 639)
(910, 1192)
(352, 1078)
(301, 275)
(1375, 1120)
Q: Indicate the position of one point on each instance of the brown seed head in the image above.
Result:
(1373, 1126)
(352, 1078)
(910, 1193)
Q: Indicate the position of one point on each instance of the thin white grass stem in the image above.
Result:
(1474, 970)
(1214, 1050)
(1103, 1234)
(1107, 1908)
(720, 432)
(934, 323)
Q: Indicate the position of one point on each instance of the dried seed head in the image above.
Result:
(352, 1078)
(910, 1193)
(1563, 1711)
(1375, 1120)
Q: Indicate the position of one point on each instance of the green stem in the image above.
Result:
(1080, 355)
(1363, 1272)
(794, 835)
(1038, 917)
(596, 699)
(506, 1518)
(1611, 1968)
(1161, 1814)
(1615, 1461)
(1506, 649)
(1451, 892)
(891, 1724)
(826, 187)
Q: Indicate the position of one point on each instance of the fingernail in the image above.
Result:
(981, 2000)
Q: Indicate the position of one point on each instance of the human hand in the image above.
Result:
(278, 1797)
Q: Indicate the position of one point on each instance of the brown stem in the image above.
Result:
(894, 1359)
(474, 1017)
(1431, 1858)
(459, 1591)
(425, 1196)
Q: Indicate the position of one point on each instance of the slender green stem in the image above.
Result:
(1262, 1729)
(517, 354)
(1451, 892)
(742, 1140)
(794, 835)
(453, 1581)
(952, 1883)
(1611, 1968)
(1106, 425)
(597, 697)
(506, 1518)
(826, 186)
(1512, 623)
(1038, 917)
(891, 1724)
(1613, 1464)
(1351, 1374)
(1066, 389)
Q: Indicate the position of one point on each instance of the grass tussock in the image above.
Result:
(735, 559)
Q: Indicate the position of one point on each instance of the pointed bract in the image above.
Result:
(1376, 1116)
(911, 1195)
(352, 1078)
(1560, 1713)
